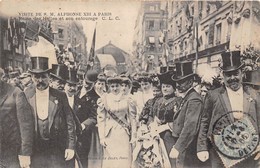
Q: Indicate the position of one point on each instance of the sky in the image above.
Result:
(120, 32)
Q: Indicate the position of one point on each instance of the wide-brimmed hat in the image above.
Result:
(183, 71)
(59, 71)
(116, 79)
(253, 77)
(145, 77)
(39, 65)
(101, 77)
(72, 77)
(166, 78)
(231, 61)
(91, 76)
(125, 79)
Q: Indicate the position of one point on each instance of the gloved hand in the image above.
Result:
(203, 156)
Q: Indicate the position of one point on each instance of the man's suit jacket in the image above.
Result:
(186, 120)
(86, 109)
(216, 105)
(16, 122)
(60, 117)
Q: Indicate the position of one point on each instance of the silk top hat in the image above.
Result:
(183, 70)
(59, 71)
(166, 78)
(39, 65)
(231, 61)
(91, 76)
(253, 77)
(72, 77)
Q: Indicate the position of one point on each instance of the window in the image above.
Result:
(61, 47)
(151, 24)
(206, 38)
(218, 33)
(152, 8)
(60, 33)
(192, 10)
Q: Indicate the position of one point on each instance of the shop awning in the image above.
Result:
(151, 40)
(106, 59)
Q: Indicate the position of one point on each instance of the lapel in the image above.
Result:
(183, 101)
(3, 92)
(226, 103)
(52, 110)
(246, 102)
(76, 104)
(32, 100)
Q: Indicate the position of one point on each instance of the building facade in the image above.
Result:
(149, 35)
(201, 30)
(70, 36)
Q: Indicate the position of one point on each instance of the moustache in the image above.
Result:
(41, 84)
(233, 80)
(72, 90)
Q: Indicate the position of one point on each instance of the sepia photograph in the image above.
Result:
(129, 84)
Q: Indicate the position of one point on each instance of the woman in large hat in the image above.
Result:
(115, 123)
(165, 108)
(146, 93)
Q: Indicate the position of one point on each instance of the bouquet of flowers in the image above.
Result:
(150, 151)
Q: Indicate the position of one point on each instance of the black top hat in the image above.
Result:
(91, 76)
(165, 78)
(39, 65)
(59, 71)
(183, 70)
(72, 77)
(253, 77)
(231, 61)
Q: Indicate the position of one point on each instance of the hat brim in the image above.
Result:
(250, 83)
(231, 69)
(58, 77)
(181, 78)
(72, 82)
(37, 71)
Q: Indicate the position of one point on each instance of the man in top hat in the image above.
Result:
(88, 149)
(58, 76)
(185, 123)
(55, 136)
(225, 108)
(16, 127)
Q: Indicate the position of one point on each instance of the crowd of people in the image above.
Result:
(54, 117)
